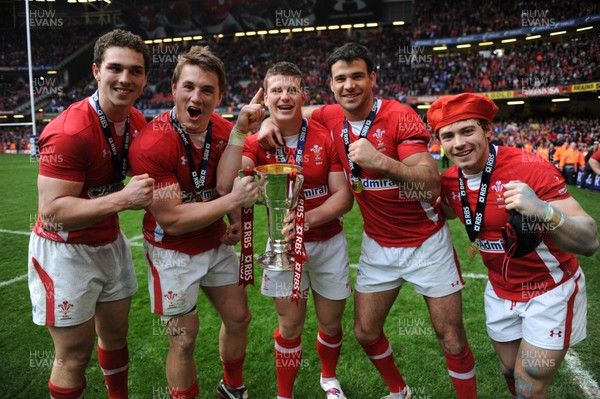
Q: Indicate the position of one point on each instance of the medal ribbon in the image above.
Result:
(474, 226)
(199, 181)
(279, 153)
(300, 256)
(299, 251)
(247, 252)
(364, 131)
(114, 156)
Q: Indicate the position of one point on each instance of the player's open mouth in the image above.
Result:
(194, 112)
(122, 91)
(285, 107)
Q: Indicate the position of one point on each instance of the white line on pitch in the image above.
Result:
(23, 233)
(475, 275)
(13, 280)
(585, 381)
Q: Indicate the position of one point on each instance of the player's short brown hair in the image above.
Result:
(202, 57)
(286, 69)
(121, 38)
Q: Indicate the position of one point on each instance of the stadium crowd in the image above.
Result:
(402, 70)
(406, 71)
(58, 44)
(443, 18)
(527, 66)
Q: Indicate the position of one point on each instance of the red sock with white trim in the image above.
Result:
(115, 367)
(461, 368)
(288, 356)
(381, 355)
(66, 393)
(329, 348)
(189, 393)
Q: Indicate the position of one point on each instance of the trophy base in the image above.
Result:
(276, 262)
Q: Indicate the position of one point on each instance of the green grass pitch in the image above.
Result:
(26, 350)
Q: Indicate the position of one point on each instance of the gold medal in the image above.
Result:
(357, 186)
(472, 250)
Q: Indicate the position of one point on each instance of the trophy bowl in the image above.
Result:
(279, 186)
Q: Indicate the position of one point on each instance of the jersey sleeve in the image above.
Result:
(412, 134)
(317, 115)
(549, 184)
(63, 156)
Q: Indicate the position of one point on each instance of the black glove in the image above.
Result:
(519, 238)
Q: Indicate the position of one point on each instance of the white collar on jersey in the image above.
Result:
(291, 141)
(474, 181)
(357, 125)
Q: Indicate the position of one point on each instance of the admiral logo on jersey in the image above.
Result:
(490, 245)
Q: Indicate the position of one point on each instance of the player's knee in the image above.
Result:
(182, 345)
(524, 389)
(452, 340)
(239, 320)
(332, 328)
(74, 362)
(114, 337)
(529, 384)
(291, 328)
(364, 334)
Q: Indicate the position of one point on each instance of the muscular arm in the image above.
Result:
(176, 217)
(338, 204)
(228, 167)
(60, 205)
(417, 175)
(578, 233)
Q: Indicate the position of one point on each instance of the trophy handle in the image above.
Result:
(256, 177)
(297, 182)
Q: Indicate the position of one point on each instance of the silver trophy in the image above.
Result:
(279, 187)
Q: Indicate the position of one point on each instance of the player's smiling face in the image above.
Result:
(352, 86)
(121, 78)
(196, 96)
(284, 98)
(466, 144)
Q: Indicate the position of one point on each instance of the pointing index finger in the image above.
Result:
(257, 97)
